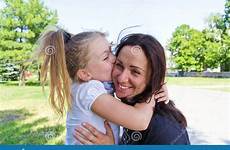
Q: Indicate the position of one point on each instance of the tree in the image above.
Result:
(195, 50)
(21, 23)
(219, 25)
(213, 48)
(186, 47)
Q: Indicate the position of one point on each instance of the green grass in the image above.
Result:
(26, 117)
(223, 89)
(215, 84)
(12, 93)
(197, 81)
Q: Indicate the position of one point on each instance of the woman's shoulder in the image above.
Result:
(164, 122)
(166, 130)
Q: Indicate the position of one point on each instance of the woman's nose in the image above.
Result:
(123, 76)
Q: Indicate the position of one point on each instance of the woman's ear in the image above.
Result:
(84, 75)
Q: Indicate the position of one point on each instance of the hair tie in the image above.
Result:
(67, 36)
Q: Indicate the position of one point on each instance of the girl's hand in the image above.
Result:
(88, 134)
(162, 95)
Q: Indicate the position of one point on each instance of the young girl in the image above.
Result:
(85, 61)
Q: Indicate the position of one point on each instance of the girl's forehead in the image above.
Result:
(98, 46)
(99, 43)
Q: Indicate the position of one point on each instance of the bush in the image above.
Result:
(33, 83)
(9, 72)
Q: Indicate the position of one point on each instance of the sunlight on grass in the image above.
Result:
(219, 89)
(191, 81)
(214, 84)
(19, 93)
(27, 118)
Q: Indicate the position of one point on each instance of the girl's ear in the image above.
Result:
(84, 75)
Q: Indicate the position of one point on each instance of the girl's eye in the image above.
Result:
(106, 58)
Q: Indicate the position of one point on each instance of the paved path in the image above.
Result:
(207, 113)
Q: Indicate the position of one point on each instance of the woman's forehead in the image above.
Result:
(132, 51)
(133, 55)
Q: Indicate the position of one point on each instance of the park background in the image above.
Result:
(195, 35)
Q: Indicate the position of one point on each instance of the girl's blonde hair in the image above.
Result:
(62, 55)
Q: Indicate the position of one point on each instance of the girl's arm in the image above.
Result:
(111, 109)
(134, 118)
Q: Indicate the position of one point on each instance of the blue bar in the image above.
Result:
(118, 147)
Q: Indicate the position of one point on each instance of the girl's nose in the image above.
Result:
(113, 58)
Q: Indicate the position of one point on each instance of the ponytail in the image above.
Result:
(62, 54)
(52, 53)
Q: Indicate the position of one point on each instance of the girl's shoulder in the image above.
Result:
(86, 93)
(92, 87)
(88, 84)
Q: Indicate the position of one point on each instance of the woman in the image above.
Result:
(139, 72)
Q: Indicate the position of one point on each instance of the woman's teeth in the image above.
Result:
(123, 87)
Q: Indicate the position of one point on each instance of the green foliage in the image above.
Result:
(197, 51)
(227, 14)
(219, 26)
(21, 23)
(9, 72)
(187, 48)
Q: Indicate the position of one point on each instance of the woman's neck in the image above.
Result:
(128, 101)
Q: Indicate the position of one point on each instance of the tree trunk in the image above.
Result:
(22, 76)
(39, 72)
(225, 66)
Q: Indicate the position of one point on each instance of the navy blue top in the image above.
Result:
(161, 130)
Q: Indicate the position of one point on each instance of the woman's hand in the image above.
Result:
(162, 95)
(88, 134)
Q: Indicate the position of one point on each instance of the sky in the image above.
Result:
(156, 17)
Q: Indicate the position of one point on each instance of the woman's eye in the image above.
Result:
(136, 72)
(119, 66)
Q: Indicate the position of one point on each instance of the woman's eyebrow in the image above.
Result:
(118, 60)
(131, 66)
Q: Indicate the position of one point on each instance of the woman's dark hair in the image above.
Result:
(157, 62)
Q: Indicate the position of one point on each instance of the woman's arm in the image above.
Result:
(88, 135)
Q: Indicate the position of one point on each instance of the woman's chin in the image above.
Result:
(122, 95)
